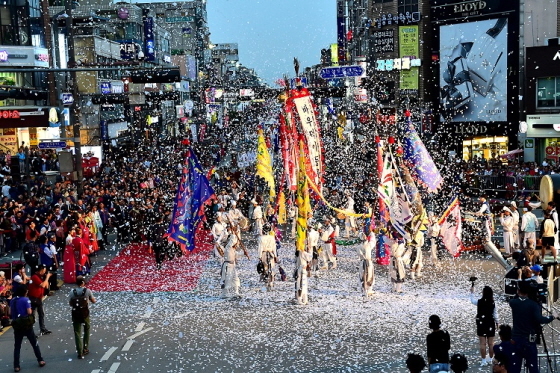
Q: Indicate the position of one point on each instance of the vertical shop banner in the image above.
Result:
(150, 53)
(409, 47)
(341, 30)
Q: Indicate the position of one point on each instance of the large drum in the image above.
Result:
(550, 190)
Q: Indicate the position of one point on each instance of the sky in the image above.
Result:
(271, 33)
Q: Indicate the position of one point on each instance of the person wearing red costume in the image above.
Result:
(69, 274)
(81, 253)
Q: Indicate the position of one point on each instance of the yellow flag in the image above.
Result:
(303, 203)
(264, 165)
(282, 208)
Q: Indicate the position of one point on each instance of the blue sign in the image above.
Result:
(67, 98)
(66, 117)
(52, 145)
(105, 88)
(341, 72)
(149, 38)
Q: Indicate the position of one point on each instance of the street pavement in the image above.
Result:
(263, 331)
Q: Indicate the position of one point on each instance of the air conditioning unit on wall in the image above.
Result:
(552, 41)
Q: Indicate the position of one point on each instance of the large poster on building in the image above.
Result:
(473, 71)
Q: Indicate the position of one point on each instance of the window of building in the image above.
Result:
(548, 92)
(383, 1)
(7, 35)
(409, 6)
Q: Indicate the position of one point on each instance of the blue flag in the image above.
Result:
(193, 191)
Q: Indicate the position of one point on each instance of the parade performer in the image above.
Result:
(416, 257)
(366, 272)
(397, 270)
(81, 254)
(301, 274)
(382, 254)
(257, 217)
(508, 225)
(292, 214)
(234, 215)
(219, 234)
(433, 234)
(267, 256)
(327, 241)
(229, 279)
(529, 224)
(349, 221)
(313, 246)
(69, 269)
(367, 218)
(487, 218)
(516, 219)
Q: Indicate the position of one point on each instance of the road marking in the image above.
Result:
(96, 371)
(108, 353)
(140, 326)
(139, 333)
(114, 367)
(127, 345)
(147, 314)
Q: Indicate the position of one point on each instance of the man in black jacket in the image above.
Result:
(527, 319)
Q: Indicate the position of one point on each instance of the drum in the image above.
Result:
(549, 190)
(244, 223)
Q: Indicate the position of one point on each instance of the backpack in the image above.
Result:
(80, 308)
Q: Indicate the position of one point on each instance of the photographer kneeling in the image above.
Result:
(527, 319)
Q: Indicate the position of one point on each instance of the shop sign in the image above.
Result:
(11, 139)
(105, 88)
(389, 19)
(3, 56)
(26, 56)
(9, 114)
(384, 41)
(178, 19)
(470, 129)
(552, 151)
(556, 126)
(404, 63)
(529, 143)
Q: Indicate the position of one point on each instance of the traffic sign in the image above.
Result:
(340, 72)
(52, 145)
(67, 98)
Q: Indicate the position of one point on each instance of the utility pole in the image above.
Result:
(74, 108)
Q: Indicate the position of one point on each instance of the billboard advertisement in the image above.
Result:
(473, 71)
(409, 47)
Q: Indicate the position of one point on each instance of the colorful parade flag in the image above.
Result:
(400, 213)
(281, 203)
(301, 98)
(264, 164)
(386, 188)
(451, 229)
(302, 202)
(193, 191)
(420, 162)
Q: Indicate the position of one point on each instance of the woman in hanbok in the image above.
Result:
(366, 271)
(92, 233)
(69, 269)
(81, 254)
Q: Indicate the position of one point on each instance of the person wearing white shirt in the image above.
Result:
(6, 190)
(327, 239)
(229, 278)
(257, 217)
(349, 221)
(267, 255)
(234, 214)
(219, 233)
(313, 245)
(486, 214)
(301, 288)
(506, 220)
(515, 231)
(366, 270)
(529, 224)
(433, 233)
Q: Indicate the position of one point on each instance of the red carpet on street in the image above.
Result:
(134, 269)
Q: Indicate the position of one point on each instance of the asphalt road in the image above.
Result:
(262, 331)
